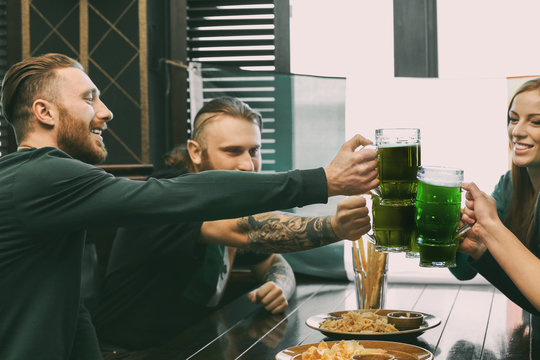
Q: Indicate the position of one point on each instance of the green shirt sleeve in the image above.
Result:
(56, 192)
(502, 194)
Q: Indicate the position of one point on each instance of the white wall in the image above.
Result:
(461, 114)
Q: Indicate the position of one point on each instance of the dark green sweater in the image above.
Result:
(486, 265)
(48, 199)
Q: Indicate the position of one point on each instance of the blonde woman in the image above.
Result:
(503, 244)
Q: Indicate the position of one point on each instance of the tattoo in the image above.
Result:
(277, 232)
(281, 273)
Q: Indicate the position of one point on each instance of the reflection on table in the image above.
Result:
(477, 322)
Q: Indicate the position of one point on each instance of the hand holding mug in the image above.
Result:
(353, 172)
(480, 210)
(352, 218)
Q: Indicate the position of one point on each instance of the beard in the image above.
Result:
(75, 139)
(206, 163)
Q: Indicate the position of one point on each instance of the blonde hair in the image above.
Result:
(223, 105)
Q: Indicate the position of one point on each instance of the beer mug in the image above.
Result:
(393, 224)
(398, 154)
(438, 211)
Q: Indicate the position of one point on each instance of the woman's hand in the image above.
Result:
(471, 244)
(480, 212)
(519, 263)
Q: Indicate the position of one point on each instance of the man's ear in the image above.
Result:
(195, 152)
(45, 112)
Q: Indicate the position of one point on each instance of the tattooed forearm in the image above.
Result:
(281, 273)
(281, 233)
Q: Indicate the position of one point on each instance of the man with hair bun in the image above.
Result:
(180, 271)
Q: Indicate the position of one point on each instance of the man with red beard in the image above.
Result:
(50, 193)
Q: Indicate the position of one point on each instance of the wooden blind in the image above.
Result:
(244, 48)
(239, 33)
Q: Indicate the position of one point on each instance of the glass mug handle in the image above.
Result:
(463, 229)
(372, 147)
(371, 237)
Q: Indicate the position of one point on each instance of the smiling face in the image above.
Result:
(82, 117)
(524, 130)
(229, 143)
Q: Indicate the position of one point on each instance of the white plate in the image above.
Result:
(399, 350)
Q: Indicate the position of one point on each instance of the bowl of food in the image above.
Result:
(404, 320)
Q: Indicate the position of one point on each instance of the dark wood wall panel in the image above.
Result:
(114, 59)
(109, 39)
(128, 46)
(7, 136)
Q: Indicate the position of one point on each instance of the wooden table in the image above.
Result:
(477, 322)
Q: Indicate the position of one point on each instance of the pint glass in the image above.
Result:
(398, 154)
(438, 209)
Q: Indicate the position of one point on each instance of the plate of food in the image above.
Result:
(369, 324)
(355, 350)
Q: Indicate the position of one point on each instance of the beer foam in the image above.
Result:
(441, 182)
(441, 176)
(396, 144)
(397, 137)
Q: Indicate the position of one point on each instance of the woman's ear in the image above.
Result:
(45, 112)
(195, 152)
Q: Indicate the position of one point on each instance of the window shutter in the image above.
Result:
(415, 38)
(244, 49)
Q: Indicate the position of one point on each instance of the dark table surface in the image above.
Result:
(477, 322)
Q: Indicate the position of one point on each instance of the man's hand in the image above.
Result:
(270, 296)
(352, 218)
(353, 172)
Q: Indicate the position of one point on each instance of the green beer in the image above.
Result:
(398, 166)
(398, 155)
(438, 210)
(393, 225)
